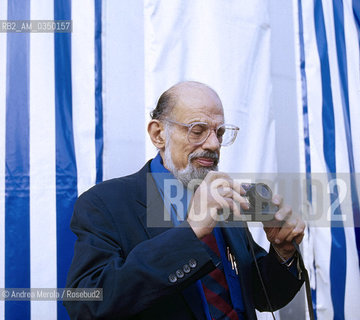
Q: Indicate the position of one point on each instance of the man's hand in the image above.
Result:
(285, 228)
(215, 197)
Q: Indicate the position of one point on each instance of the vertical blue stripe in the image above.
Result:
(99, 140)
(304, 94)
(356, 11)
(66, 173)
(338, 242)
(306, 129)
(343, 72)
(17, 201)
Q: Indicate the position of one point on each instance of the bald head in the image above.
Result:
(183, 93)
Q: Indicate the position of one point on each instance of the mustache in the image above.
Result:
(204, 154)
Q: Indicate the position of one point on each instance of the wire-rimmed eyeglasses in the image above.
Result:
(198, 132)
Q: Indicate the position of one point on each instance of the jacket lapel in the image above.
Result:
(155, 220)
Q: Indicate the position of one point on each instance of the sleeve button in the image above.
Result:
(192, 263)
(179, 273)
(186, 268)
(172, 278)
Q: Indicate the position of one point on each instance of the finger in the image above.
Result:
(229, 207)
(225, 191)
(299, 238)
(271, 233)
(241, 200)
(238, 187)
(234, 206)
(218, 179)
(272, 224)
(228, 192)
(285, 231)
(229, 203)
(297, 233)
(284, 213)
(277, 200)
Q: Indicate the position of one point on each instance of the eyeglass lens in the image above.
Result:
(198, 133)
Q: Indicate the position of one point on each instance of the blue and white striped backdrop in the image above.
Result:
(329, 100)
(47, 146)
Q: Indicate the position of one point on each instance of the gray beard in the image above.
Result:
(189, 173)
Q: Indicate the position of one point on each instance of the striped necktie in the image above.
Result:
(215, 286)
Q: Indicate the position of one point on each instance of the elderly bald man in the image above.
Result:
(190, 268)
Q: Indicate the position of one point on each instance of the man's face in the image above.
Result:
(197, 104)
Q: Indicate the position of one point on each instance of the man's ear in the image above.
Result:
(157, 134)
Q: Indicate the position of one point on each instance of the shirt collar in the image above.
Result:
(175, 195)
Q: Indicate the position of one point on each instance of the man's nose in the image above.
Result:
(212, 142)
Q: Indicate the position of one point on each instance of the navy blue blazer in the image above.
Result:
(117, 251)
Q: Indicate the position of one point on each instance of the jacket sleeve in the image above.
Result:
(280, 283)
(134, 282)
